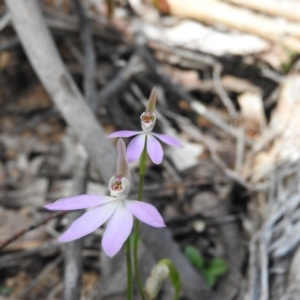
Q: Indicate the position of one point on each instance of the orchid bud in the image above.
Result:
(122, 164)
(153, 284)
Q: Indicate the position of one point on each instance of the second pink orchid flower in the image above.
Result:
(147, 137)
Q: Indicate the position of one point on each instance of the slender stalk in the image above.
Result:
(129, 269)
(137, 223)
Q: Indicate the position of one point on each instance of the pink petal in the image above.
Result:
(146, 213)
(136, 147)
(123, 133)
(154, 149)
(88, 222)
(170, 140)
(78, 202)
(117, 230)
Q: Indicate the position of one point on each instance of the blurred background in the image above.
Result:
(228, 86)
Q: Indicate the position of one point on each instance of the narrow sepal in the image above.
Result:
(122, 165)
(152, 101)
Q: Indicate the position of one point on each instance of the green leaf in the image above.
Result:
(215, 269)
(217, 266)
(194, 257)
(209, 277)
(174, 276)
(4, 290)
(212, 271)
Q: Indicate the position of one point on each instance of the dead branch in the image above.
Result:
(221, 91)
(89, 65)
(237, 18)
(61, 22)
(180, 92)
(134, 67)
(187, 127)
(73, 255)
(286, 9)
(44, 274)
(30, 26)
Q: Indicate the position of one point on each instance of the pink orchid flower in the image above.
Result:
(116, 209)
(137, 144)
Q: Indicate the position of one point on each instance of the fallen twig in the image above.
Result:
(89, 65)
(44, 274)
(34, 226)
(73, 255)
(217, 69)
(61, 22)
(193, 131)
(134, 67)
(180, 92)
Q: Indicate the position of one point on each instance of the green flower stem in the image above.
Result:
(129, 269)
(143, 162)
